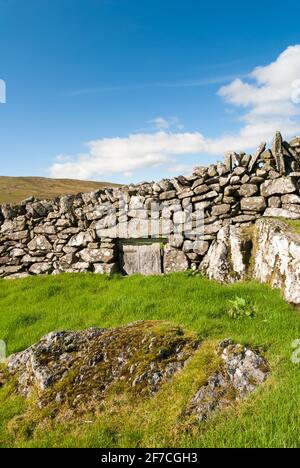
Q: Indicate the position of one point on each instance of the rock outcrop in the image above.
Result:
(71, 374)
(74, 371)
(268, 251)
(241, 372)
(276, 258)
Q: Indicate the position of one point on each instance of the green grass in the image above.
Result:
(32, 307)
(16, 189)
(294, 224)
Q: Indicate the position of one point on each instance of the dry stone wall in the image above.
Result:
(84, 232)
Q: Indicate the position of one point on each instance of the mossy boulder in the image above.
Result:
(71, 372)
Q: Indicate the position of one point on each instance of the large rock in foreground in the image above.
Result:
(72, 374)
(76, 370)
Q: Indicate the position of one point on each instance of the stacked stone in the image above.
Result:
(80, 233)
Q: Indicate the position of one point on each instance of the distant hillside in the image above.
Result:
(16, 189)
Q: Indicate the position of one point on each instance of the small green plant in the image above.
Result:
(240, 308)
(192, 273)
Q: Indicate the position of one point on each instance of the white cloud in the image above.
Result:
(269, 98)
(160, 123)
(126, 155)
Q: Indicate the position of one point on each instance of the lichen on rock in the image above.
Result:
(73, 372)
(240, 373)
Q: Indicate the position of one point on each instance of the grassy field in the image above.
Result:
(32, 307)
(16, 189)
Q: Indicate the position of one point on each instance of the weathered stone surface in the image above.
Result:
(39, 243)
(212, 228)
(228, 257)
(79, 267)
(176, 240)
(241, 372)
(174, 260)
(281, 186)
(105, 268)
(97, 255)
(277, 258)
(277, 151)
(108, 221)
(15, 253)
(188, 246)
(245, 218)
(138, 356)
(248, 190)
(18, 236)
(215, 264)
(206, 196)
(168, 195)
(295, 199)
(253, 204)
(40, 268)
(280, 213)
(290, 207)
(220, 209)
(274, 202)
(295, 143)
(201, 247)
(80, 240)
(201, 189)
(11, 270)
(228, 161)
(257, 155)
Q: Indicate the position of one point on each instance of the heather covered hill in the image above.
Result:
(16, 189)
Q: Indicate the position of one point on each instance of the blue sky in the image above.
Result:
(127, 90)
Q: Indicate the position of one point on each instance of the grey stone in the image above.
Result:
(97, 255)
(277, 151)
(274, 202)
(39, 243)
(244, 218)
(291, 207)
(280, 213)
(277, 259)
(168, 195)
(40, 268)
(257, 155)
(105, 268)
(281, 186)
(295, 143)
(201, 189)
(253, 204)
(206, 196)
(290, 199)
(248, 190)
(220, 209)
(174, 260)
(80, 240)
(188, 246)
(240, 170)
(241, 371)
(15, 253)
(176, 240)
(201, 247)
